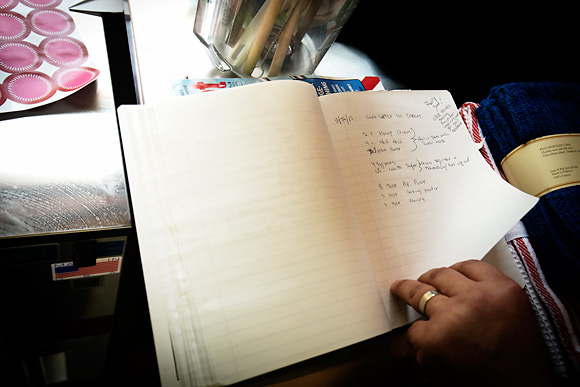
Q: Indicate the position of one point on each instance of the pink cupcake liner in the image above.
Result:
(69, 79)
(64, 51)
(17, 56)
(41, 3)
(29, 87)
(2, 95)
(50, 22)
(6, 5)
(13, 26)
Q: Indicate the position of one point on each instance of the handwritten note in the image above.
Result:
(416, 182)
(401, 147)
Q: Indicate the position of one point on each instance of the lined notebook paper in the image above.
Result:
(271, 223)
(423, 195)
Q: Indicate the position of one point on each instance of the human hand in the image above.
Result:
(480, 328)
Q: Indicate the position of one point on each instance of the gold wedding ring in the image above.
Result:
(428, 295)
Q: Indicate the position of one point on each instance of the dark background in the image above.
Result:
(467, 47)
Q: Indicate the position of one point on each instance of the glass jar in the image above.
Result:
(267, 38)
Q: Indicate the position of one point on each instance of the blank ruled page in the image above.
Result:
(240, 201)
(423, 195)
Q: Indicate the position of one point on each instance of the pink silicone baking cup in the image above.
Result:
(64, 51)
(6, 5)
(19, 56)
(2, 95)
(13, 26)
(29, 87)
(72, 78)
(50, 22)
(41, 3)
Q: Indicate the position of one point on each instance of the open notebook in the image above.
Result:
(271, 222)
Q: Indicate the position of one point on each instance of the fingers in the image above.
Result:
(418, 333)
(459, 277)
(477, 270)
(448, 281)
(412, 291)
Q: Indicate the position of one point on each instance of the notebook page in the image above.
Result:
(423, 195)
(261, 258)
